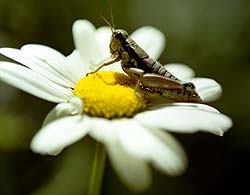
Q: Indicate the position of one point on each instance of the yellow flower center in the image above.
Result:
(109, 94)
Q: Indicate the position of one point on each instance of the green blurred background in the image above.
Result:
(213, 37)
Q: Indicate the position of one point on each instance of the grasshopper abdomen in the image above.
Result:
(140, 58)
(158, 68)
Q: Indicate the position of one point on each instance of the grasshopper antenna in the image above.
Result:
(112, 17)
(108, 23)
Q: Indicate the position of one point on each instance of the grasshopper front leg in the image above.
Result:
(107, 63)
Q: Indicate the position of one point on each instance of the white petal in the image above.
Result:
(77, 66)
(132, 171)
(73, 107)
(59, 134)
(187, 118)
(208, 89)
(31, 82)
(86, 43)
(151, 40)
(35, 64)
(138, 177)
(154, 146)
(179, 159)
(52, 57)
(103, 35)
(105, 130)
(181, 71)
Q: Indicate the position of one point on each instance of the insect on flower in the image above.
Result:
(105, 107)
(151, 76)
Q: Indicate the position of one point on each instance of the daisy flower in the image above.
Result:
(105, 106)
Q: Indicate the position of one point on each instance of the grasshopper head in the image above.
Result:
(118, 37)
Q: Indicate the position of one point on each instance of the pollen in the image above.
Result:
(109, 94)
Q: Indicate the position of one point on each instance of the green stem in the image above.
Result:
(97, 171)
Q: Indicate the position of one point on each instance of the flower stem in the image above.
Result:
(97, 171)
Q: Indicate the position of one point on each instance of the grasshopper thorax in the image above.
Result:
(118, 37)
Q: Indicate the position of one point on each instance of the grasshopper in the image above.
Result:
(148, 73)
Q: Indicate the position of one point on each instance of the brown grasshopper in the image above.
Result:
(148, 73)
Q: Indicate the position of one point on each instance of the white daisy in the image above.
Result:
(104, 105)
